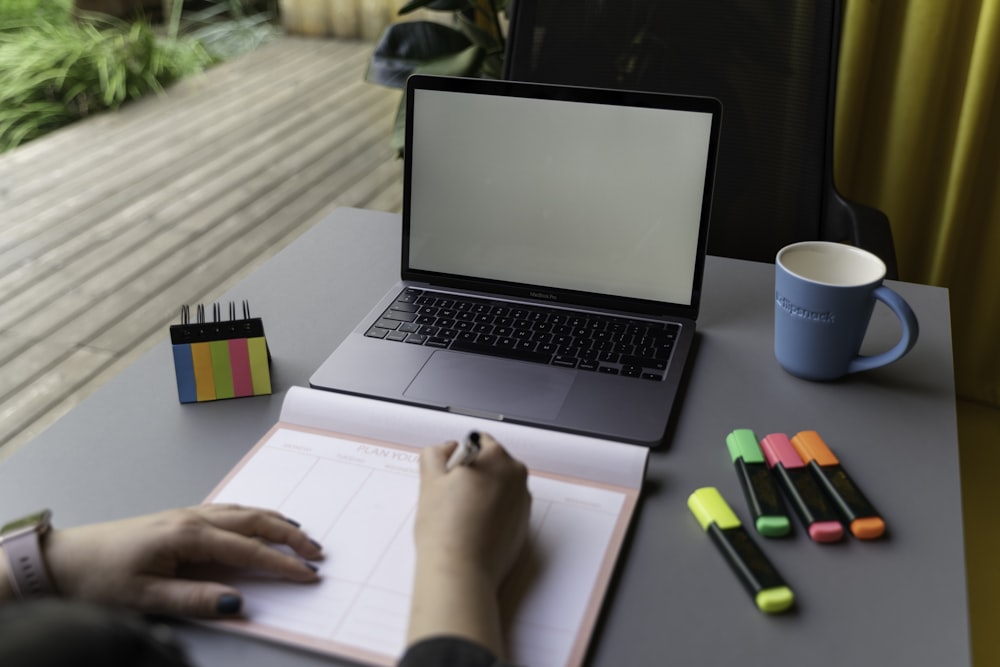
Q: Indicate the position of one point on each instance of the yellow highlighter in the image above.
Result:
(754, 570)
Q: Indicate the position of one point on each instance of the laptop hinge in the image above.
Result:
(470, 412)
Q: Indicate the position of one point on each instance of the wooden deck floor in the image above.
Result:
(107, 227)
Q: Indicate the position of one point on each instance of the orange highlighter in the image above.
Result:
(862, 519)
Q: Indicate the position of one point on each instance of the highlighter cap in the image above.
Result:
(773, 526)
(868, 528)
(778, 449)
(742, 444)
(708, 507)
(775, 600)
(811, 447)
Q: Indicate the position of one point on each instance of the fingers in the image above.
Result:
(433, 459)
(235, 550)
(180, 597)
(495, 458)
(263, 524)
(491, 450)
(231, 536)
(473, 517)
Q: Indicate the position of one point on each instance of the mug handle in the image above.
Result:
(906, 342)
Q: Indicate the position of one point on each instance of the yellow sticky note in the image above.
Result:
(260, 370)
(204, 380)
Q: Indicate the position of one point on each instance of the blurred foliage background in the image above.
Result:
(58, 64)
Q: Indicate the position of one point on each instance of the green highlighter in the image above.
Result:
(769, 515)
(754, 570)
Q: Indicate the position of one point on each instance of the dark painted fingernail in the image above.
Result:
(229, 604)
(314, 568)
(316, 544)
(293, 522)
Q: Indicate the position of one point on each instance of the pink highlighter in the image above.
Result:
(806, 496)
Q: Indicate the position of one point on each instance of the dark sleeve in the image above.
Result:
(53, 632)
(448, 652)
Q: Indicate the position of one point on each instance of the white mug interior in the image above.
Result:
(831, 263)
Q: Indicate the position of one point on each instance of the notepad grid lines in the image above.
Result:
(358, 500)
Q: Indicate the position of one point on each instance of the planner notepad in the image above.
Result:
(346, 468)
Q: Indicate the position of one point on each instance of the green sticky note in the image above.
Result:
(222, 369)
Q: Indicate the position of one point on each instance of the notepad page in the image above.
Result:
(578, 456)
(358, 497)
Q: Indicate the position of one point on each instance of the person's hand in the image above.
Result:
(135, 562)
(471, 525)
(474, 515)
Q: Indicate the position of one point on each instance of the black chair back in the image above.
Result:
(771, 63)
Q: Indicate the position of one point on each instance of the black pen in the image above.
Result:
(465, 453)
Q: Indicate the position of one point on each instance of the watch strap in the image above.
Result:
(27, 572)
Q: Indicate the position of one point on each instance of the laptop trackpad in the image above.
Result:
(493, 386)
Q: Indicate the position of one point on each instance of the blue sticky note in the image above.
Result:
(184, 369)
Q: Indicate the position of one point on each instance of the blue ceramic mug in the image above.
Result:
(824, 295)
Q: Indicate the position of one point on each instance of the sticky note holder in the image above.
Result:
(220, 359)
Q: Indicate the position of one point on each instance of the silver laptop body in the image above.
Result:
(571, 209)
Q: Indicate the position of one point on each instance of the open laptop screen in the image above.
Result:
(563, 194)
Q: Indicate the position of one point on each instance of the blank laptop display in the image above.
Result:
(552, 257)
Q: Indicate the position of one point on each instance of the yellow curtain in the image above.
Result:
(918, 136)
(349, 19)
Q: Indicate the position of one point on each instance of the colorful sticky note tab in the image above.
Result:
(220, 360)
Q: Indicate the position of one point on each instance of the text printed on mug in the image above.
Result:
(804, 313)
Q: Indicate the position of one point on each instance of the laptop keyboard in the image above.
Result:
(614, 345)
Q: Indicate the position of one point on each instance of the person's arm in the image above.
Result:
(139, 562)
(471, 525)
(448, 651)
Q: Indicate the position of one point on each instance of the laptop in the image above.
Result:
(552, 257)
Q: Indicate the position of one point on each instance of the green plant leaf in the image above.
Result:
(405, 46)
(478, 35)
(55, 72)
(438, 5)
(463, 63)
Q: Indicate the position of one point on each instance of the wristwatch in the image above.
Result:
(20, 541)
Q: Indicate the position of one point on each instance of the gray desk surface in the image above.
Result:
(131, 448)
